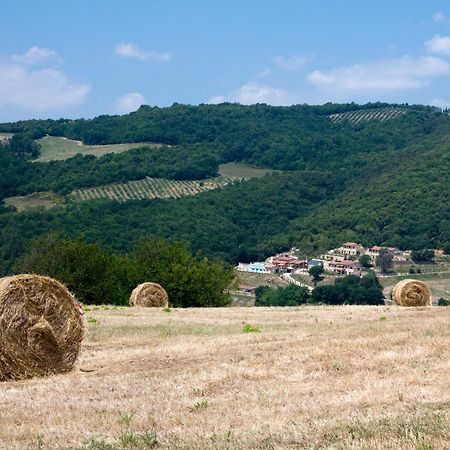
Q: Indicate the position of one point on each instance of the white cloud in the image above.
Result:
(36, 55)
(440, 103)
(438, 44)
(130, 50)
(439, 17)
(295, 62)
(251, 93)
(385, 75)
(37, 89)
(129, 102)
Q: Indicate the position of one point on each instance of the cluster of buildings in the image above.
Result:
(339, 261)
(282, 263)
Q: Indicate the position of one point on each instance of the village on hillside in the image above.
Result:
(350, 258)
(344, 260)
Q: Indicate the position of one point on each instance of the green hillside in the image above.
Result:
(381, 180)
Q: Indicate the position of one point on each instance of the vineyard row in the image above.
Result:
(368, 114)
(150, 188)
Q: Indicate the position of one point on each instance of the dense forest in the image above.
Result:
(378, 182)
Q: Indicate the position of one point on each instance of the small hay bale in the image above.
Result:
(150, 295)
(411, 293)
(41, 328)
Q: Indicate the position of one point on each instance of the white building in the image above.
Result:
(254, 267)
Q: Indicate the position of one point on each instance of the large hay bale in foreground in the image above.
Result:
(41, 328)
(149, 295)
(411, 293)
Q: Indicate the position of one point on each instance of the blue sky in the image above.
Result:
(61, 58)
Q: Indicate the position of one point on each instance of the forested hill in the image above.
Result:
(375, 173)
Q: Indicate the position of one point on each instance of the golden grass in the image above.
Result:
(314, 377)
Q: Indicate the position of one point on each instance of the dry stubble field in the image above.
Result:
(314, 377)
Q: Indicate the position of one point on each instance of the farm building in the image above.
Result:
(284, 264)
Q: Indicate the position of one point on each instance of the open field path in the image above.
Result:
(313, 377)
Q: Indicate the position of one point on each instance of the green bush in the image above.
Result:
(99, 276)
(282, 296)
(350, 290)
(94, 274)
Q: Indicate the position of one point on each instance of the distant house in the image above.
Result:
(254, 267)
(374, 251)
(346, 267)
(351, 249)
(332, 257)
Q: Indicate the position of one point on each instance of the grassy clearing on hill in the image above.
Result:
(59, 148)
(237, 170)
(37, 200)
(313, 377)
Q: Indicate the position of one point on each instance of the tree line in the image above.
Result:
(97, 275)
(348, 290)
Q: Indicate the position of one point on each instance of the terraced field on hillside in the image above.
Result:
(363, 115)
(150, 188)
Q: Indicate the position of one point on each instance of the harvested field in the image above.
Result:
(313, 377)
(438, 283)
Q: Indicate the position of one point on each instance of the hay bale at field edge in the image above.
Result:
(150, 295)
(411, 293)
(41, 328)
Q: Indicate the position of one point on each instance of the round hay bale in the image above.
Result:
(411, 293)
(150, 295)
(41, 328)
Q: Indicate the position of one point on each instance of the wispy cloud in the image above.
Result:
(294, 62)
(36, 55)
(251, 93)
(129, 102)
(130, 50)
(439, 45)
(32, 88)
(384, 75)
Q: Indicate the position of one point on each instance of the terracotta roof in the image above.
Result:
(344, 263)
(350, 244)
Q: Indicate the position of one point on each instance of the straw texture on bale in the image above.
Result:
(411, 293)
(41, 328)
(149, 295)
